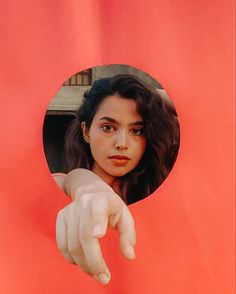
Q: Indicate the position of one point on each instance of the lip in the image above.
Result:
(119, 160)
(119, 157)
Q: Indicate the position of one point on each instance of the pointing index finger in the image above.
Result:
(92, 249)
(126, 230)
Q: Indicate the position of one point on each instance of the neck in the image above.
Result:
(103, 175)
(112, 181)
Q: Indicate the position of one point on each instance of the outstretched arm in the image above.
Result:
(79, 225)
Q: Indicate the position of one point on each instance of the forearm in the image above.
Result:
(86, 219)
(82, 181)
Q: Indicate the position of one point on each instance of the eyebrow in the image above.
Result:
(112, 120)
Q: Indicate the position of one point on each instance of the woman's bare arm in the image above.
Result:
(79, 225)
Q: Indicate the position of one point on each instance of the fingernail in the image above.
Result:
(97, 230)
(103, 278)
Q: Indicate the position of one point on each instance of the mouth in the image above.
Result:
(119, 160)
(119, 157)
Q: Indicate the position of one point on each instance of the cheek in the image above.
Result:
(140, 147)
(97, 142)
(95, 136)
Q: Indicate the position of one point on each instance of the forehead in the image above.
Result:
(119, 108)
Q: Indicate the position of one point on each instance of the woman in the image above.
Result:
(119, 149)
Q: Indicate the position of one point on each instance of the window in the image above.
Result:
(83, 78)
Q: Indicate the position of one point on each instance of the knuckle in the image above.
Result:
(85, 200)
(99, 210)
(60, 215)
(72, 212)
(64, 212)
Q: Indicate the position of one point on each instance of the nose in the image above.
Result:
(121, 140)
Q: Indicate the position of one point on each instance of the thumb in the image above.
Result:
(127, 235)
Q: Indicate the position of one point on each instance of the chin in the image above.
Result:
(118, 173)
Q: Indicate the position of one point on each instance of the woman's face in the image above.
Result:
(116, 137)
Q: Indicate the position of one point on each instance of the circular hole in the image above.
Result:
(123, 127)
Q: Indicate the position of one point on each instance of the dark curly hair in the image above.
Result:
(161, 129)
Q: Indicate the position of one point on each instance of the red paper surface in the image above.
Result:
(185, 230)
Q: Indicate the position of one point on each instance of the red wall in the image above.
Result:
(185, 229)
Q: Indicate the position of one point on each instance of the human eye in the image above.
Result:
(107, 128)
(137, 131)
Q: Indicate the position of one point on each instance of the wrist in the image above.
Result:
(82, 181)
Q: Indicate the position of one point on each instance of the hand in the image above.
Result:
(83, 221)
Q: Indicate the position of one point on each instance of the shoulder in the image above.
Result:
(54, 175)
(59, 179)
